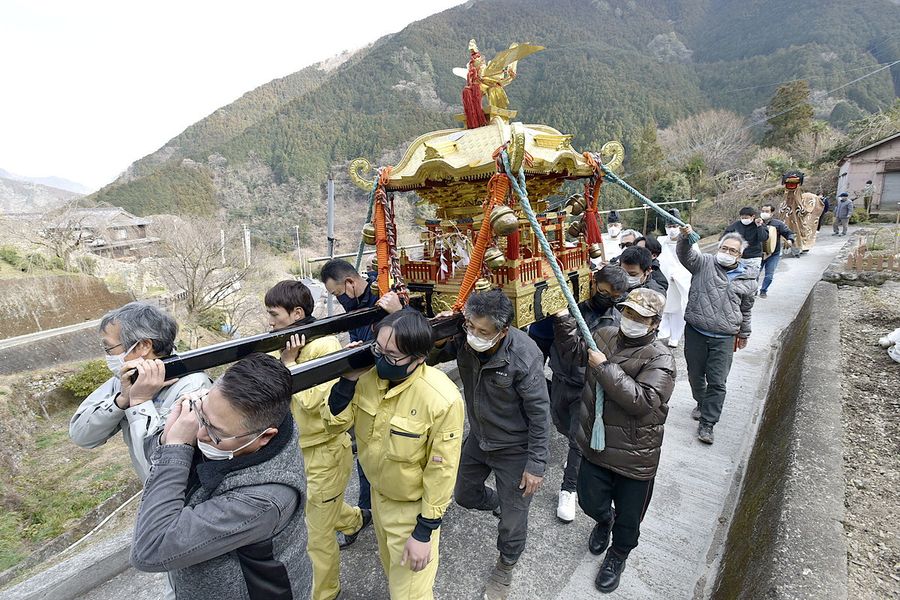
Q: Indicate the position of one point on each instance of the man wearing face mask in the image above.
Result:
(610, 239)
(134, 337)
(637, 262)
(327, 454)
(652, 244)
(755, 232)
(353, 293)
(609, 287)
(771, 259)
(637, 375)
(409, 425)
(508, 409)
(223, 508)
(721, 297)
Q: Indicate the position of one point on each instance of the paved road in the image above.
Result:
(692, 504)
(47, 333)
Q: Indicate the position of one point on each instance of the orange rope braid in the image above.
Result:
(498, 188)
(382, 246)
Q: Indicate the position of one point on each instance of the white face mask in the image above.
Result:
(765, 216)
(633, 329)
(213, 453)
(746, 220)
(634, 281)
(672, 232)
(725, 259)
(614, 231)
(480, 344)
(115, 362)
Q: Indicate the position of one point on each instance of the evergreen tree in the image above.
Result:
(789, 114)
(647, 163)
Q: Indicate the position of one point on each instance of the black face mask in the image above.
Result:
(601, 302)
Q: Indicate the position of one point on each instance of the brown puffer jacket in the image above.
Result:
(638, 379)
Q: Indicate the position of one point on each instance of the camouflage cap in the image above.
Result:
(646, 302)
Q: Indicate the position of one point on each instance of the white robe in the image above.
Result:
(672, 325)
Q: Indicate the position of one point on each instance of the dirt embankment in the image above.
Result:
(871, 389)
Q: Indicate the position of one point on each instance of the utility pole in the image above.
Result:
(246, 246)
(299, 256)
(330, 222)
(222, 243)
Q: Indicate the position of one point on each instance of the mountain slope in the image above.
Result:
(610, 67)
(25, 196)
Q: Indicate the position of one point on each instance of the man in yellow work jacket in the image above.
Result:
(409, 424)
(327, 453)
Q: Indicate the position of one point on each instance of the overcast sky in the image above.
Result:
(89, 86)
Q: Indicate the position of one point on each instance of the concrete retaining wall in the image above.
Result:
(31, 304)
(786, 539)
(71, 346)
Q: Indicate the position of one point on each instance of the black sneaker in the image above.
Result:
(599, 540)
(610, 573)
(695, 414)
(350, 538)
(705, 433)
(763, 294)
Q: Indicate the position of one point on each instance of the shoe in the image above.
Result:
(350, 538)
(497, 587)
(599, 540)
(565, 509)
(695, 414)
(610, 573)
(763, 294)
(705, 433)
(672, 344)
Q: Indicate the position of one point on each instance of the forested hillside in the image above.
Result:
(610, 68)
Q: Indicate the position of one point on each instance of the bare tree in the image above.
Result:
(195, 261)
(718, 137)
(61, 231)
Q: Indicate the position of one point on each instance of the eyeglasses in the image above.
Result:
(391, 360)
(111, 348)
(626, 244)
(731, 251)
(212, 431)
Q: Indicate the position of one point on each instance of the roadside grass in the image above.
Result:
(55, 484)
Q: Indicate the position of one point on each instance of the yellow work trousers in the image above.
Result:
(328, 468)
(394, 522)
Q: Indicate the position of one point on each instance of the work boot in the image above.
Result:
(599, 539)
(763, 294)
(705, 433)
(695, 414)
(497, 587)
(610, 572)
(350, 538)
(565, 509)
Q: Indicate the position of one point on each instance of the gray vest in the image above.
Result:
(276, 569)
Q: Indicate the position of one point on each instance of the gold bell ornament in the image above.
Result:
(576, 204)
(482, 285)
(493, 257)
(576, 228)
(504, 220)
(368, 234)
(595, 250)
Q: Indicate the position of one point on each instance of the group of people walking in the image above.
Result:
(244, 482)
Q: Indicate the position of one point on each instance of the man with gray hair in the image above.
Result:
(508, 410)
(720, 299)
(134, 338)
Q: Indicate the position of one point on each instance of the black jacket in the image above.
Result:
(755, 236)
(783, 232)
(507, 404)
